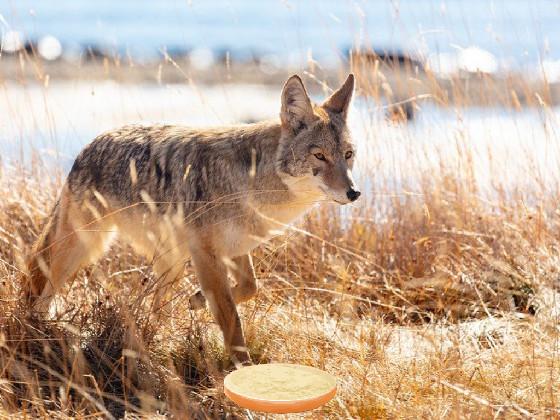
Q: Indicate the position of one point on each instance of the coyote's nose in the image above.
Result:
(352, 194)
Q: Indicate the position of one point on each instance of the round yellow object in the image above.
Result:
(280, 387)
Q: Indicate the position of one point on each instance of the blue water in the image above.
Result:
(518, 32)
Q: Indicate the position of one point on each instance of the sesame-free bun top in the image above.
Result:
(280, 387)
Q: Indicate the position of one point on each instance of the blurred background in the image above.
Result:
(518, 35)
(72, 68)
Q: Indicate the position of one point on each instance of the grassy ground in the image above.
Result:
(428, 299)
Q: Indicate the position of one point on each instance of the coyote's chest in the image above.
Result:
(276, 219)
(263, 223)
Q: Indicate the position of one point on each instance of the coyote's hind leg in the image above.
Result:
(71, 239)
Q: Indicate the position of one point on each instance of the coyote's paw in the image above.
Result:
(240, 358)
(197, 301)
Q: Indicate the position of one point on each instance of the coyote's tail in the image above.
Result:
(39, 262)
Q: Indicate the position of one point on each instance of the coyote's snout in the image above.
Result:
(212, 195)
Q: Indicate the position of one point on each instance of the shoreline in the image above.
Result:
(378, 80)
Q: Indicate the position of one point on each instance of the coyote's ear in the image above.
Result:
(339, 101)
(297, 111)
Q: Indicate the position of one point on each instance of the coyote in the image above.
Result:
(211, 195)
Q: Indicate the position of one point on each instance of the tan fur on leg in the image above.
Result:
(212, 275)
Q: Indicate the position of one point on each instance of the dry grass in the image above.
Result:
(438, 303)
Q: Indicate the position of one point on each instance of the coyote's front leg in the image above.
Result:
(212, 276)
(244, 275)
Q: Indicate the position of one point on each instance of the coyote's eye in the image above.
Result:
(320, 156)
(349, 154)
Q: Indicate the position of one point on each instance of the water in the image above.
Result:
(517, 32)
(517, 150)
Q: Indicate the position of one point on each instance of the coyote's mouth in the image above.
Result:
(328, 196)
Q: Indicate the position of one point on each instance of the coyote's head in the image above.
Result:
(316, 153)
